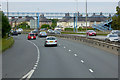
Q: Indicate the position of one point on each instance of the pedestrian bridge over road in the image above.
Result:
(49, 15)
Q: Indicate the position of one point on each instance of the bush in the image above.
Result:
(69, 29)
(84, 29)
(45, 26)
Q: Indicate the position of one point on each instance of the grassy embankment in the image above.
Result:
(6, 43)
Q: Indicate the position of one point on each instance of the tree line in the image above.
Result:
(116, 20)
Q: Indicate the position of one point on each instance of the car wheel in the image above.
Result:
(45, 45)
(56, 45)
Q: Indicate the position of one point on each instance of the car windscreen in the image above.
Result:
(113, 36)
(31, 34)
(51, 38)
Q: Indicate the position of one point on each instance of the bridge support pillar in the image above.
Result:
(38, 20)
(74, 22)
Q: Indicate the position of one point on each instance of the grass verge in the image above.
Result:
(7, 43)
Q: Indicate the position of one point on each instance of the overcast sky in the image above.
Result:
(105, 7)
(60, 0)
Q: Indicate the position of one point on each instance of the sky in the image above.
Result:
(60, 0)
(105, 7)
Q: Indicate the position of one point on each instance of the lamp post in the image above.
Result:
(7, 9)
(76, 13)
(86, 17)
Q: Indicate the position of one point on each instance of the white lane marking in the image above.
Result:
(26, 75)
(35, 65)
(91, 70)
(29, 74)
(59, 44)
(75, 54)
(69, 50)
(82, 61)
(64, 47)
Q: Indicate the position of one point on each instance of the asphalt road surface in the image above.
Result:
(30, 59)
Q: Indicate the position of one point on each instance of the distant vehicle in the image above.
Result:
(19, 30)
(91, 33)
(59, 29)
(113, 37)
(43, 29)
(51, 31)
(42, 34)
(11, 31)
(57, 32)
(14, 33)
(115, 32)
(37, 30)
(50, 41)
(34, 32)
(31, 36)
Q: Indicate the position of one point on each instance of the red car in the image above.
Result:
(91, 33)
(31, 36)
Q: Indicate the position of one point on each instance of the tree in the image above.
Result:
(54, 23)
(5, 25)
(116, 19)
(45, 26)
(23, 25)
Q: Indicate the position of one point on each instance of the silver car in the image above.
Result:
(50, 41)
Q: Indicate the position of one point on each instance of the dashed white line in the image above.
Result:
(82, 61)
(35, 65)
(64, 47)
(69, 50)
(91, 70)
(75, 54)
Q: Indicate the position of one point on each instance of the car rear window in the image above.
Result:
(51, 38)
(34, 32)
(31, 34)
(91, 31)
(42, 32)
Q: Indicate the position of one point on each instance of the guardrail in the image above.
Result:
(113, 48)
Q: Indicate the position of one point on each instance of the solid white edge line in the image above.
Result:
(29, 74)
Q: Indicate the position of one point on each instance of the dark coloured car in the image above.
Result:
(14, 33)
(42, 34)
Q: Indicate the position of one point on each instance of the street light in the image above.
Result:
(7, 8)
(86, 17)
(76, 13)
